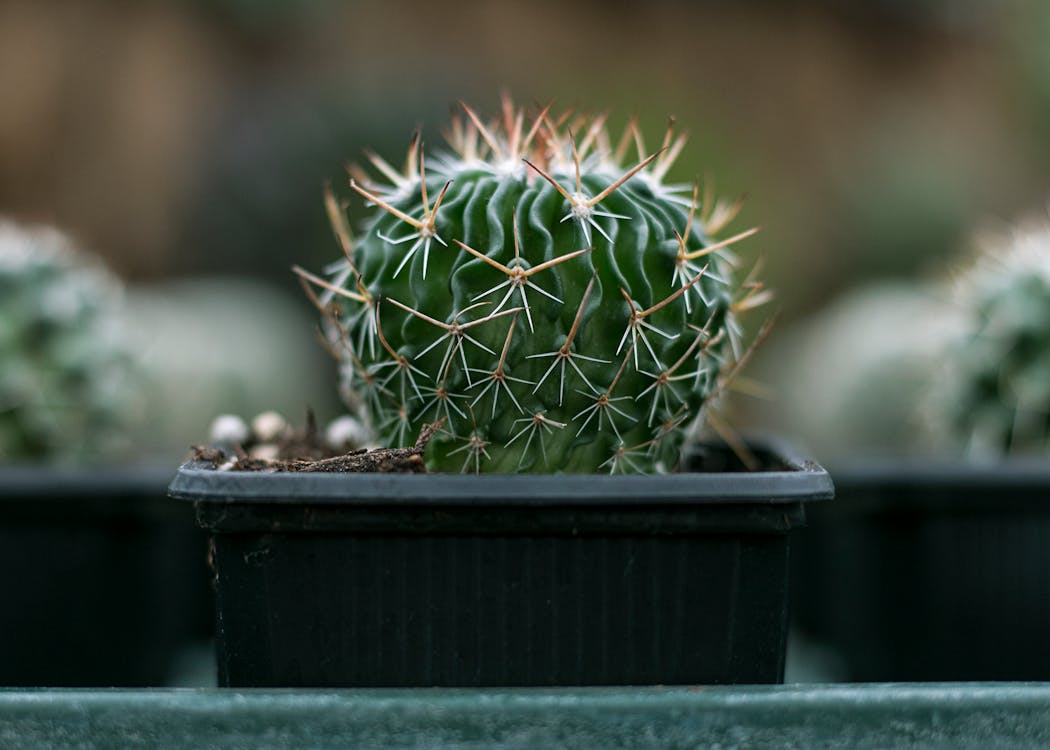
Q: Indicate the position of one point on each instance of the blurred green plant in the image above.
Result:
(213, 345)
(851, 380)
(957, 369)
(993, 394)
(67, 382)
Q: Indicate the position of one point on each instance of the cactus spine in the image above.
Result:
(561, 307)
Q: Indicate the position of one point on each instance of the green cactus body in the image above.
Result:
(998, 370)
(558, 310)
(64, 368)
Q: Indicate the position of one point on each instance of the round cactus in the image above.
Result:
(64, 380)
(549, 297)
(997, 372)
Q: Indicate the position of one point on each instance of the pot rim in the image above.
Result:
(802, 480)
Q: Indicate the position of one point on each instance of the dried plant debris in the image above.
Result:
(307, 450)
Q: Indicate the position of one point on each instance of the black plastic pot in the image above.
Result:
(415, 580)
(102, 579)
(931, 573)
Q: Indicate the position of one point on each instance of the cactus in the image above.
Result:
(560, 307)
(64, 374)
(995, 388)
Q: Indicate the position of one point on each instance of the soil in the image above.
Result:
(304, 451)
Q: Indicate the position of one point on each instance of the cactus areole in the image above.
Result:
(540, 289)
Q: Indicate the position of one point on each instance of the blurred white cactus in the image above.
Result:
(994, 378)
(67, 389)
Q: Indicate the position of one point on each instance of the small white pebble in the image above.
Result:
(346, 433)
(227, 464)
(265, 452)
(268, 426)
(227, 429)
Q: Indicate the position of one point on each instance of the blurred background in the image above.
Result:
(191, 138)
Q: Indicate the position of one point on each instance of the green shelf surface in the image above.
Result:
(958, 715)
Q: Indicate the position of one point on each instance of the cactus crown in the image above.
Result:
(64, 380)
(542, 290)
(998, 375)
